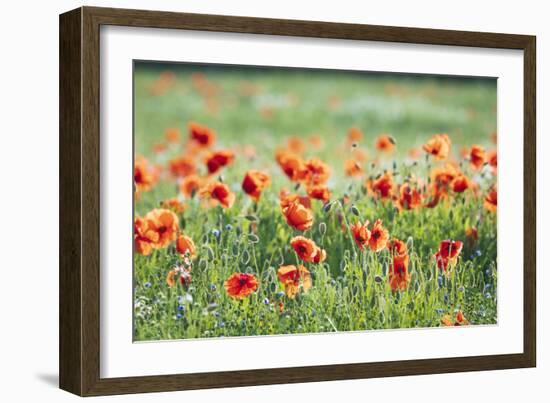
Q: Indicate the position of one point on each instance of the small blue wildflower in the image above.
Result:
(212, 287)
(147, 285)
(228, 227)
(266, 301)
(179, 316)
(440, 280)
(216, 233)
(439, 311)
(221, 324)
(280, 294)
(216, 314)
(488, 272)
(446, 298)
(478, 252)
(181, 299)
(181, 308)
(488, 295)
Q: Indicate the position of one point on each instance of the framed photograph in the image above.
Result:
(249, 201)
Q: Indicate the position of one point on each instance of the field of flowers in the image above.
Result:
(278, 201)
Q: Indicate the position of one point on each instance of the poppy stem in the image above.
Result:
(347, 224)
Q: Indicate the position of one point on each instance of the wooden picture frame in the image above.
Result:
(80, 199)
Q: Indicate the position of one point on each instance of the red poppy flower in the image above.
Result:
(477, 156)
(241, 285)
(293, 277)
(378, 236)
(219, 159)
(409, 197)
(218, 192)
(254, 182)
(361, 234)
(202, 135)
(490, 201)
(448, 253)
(438, 146)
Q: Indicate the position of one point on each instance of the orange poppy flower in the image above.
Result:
(286, 199)
(361, 234)
(319, 192)
(241, 285)
(185, 246)
(409, 197)
(352, 167)
(144, 238)
(201, 134)
(307, 250)
(293, 277)
(189, 185)
(460, 320)
(316, 142)
(159, 148)
(385, 143)
(182, 166)
(317, 171)
(219, 159)
(154, 231)
(477, 156)
(448, 253)
(320, 256)
(492, 160)
(165, 81)
(382, 186)
(145, 176)
(490, 201)
(460, 183)
(173, 204)
(438, 146)
(378, 236)
(218, 192)
(172, 135)
(397, 247)
(292, 165)
(442, 178)
(398, 276)
(355, 135)
(295, 145)
(298, 216)
(254, 182)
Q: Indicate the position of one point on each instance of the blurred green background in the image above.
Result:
(303, 102)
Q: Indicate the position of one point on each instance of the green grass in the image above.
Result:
(350, 290)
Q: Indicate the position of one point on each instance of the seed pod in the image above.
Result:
(327, 207)
(322, 228)
(355, 210)
(253, 238)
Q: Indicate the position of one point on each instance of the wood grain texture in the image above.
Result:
(80, 200)
(70, 270)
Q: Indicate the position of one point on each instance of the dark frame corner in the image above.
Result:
(79, 200)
